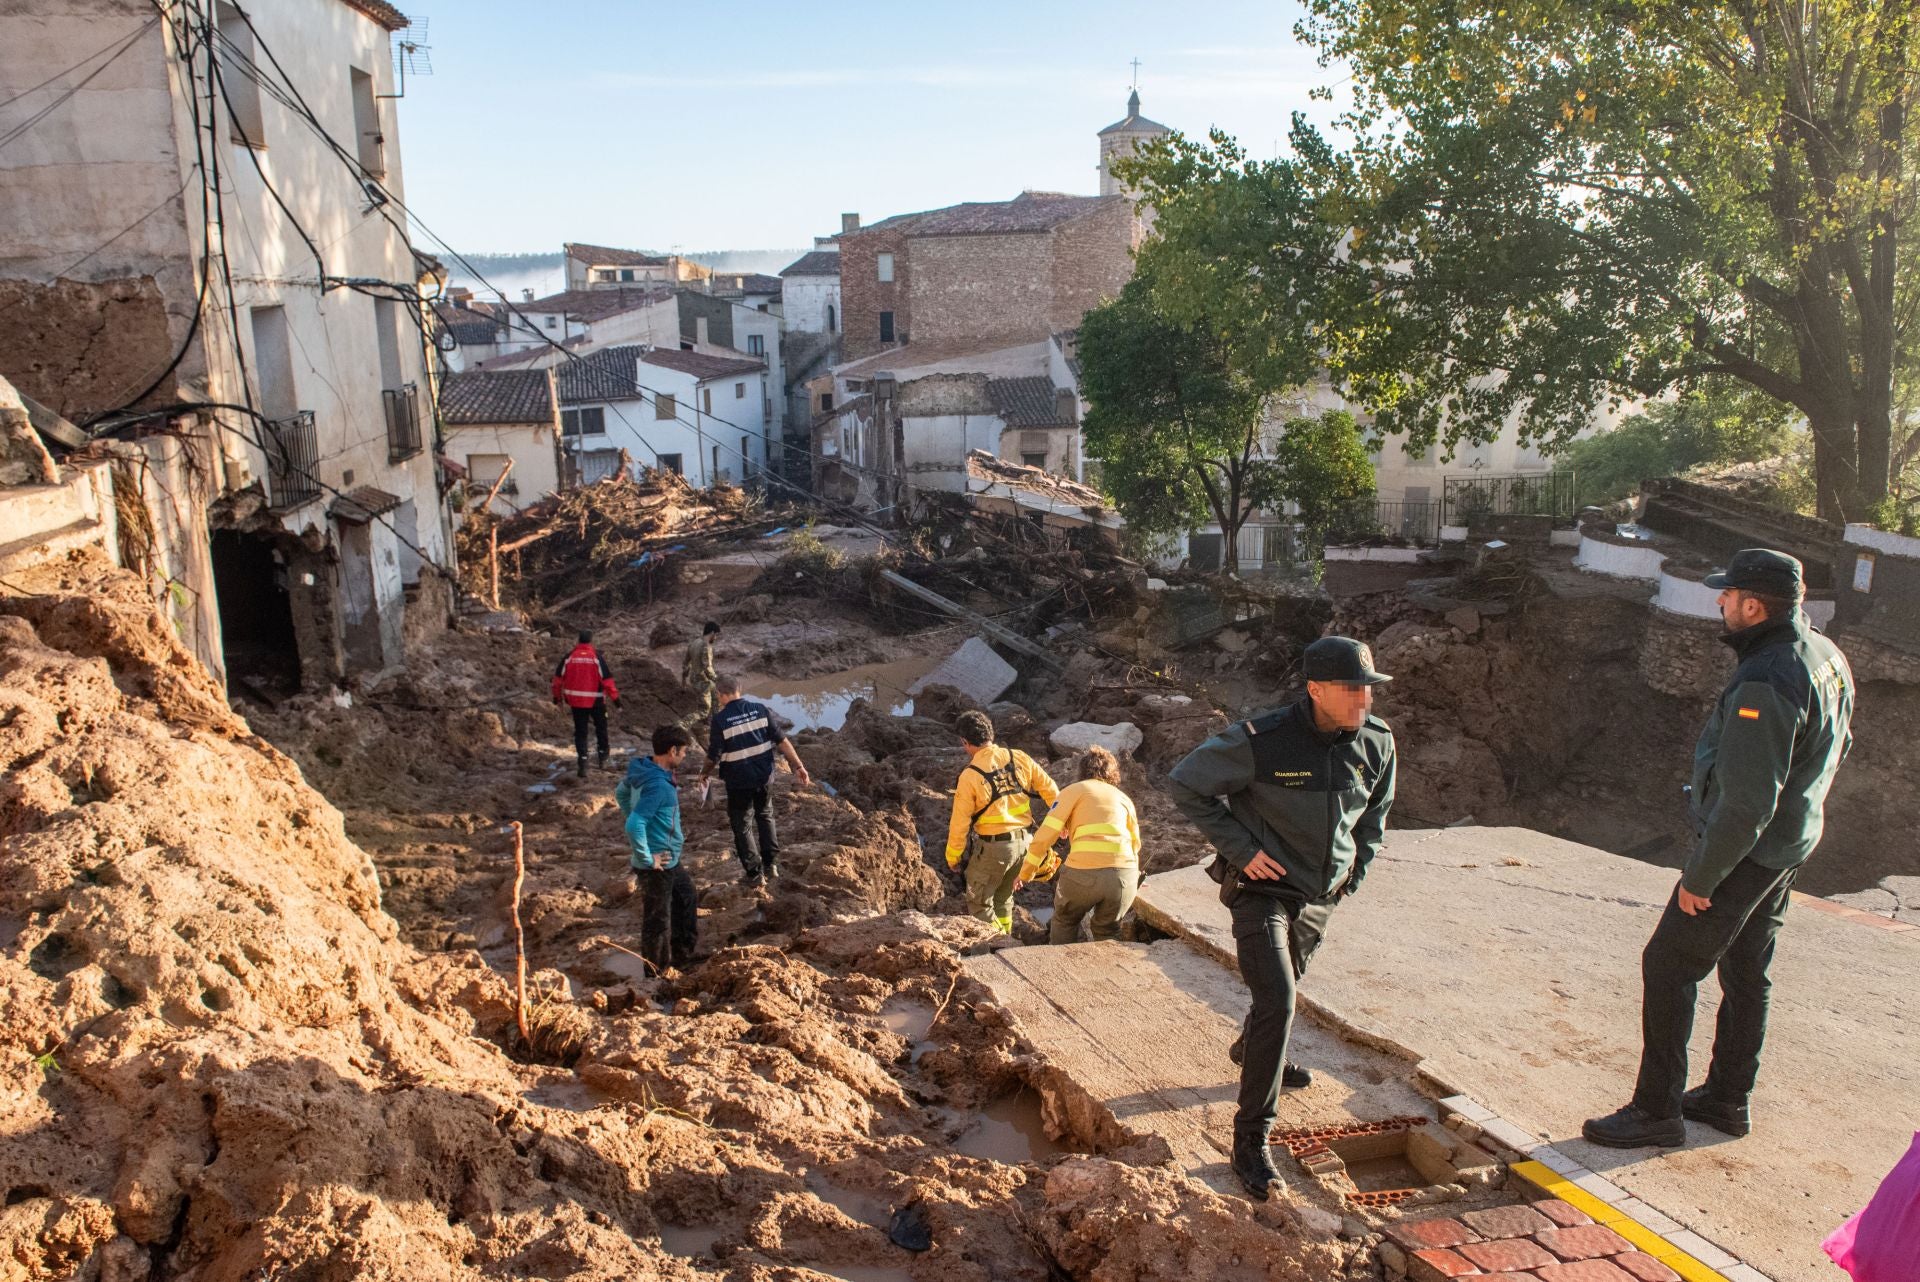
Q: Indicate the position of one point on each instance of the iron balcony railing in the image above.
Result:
(293, 454)
(1553, 494)
(403, 422)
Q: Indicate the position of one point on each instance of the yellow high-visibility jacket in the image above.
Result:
(1101, 826)
(971, 794)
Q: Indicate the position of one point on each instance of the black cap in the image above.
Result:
(1761, 570)
(1341, 659)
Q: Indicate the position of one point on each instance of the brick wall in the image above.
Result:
(983, 286)
(1092, 260)
(863, 296)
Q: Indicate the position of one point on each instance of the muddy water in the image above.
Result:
(821, 703)
(1010, 1130)
(691, 1242)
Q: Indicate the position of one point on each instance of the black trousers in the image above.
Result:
(597, 714)
(669, 916)
(1273, 939)
(1736, 935)
(767, 853)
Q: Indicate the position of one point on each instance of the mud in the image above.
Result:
(255, 1036)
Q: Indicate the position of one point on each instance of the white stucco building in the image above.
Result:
(295, 362)
(699, 415)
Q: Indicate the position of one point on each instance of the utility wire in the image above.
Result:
(21, 129)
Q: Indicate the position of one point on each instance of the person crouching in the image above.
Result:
(1102, 866)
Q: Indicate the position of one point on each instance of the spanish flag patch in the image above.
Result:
(1751, 714)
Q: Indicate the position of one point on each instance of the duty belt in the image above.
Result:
(996, 836)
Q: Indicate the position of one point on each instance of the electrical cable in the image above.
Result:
(21, 129)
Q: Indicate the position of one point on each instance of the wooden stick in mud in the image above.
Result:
(493, 567)
(519, 936)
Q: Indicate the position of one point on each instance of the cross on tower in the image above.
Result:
(1136, 73)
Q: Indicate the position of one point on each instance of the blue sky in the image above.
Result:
(702, 127)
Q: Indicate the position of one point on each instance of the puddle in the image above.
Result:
(695, 1241)
(625, 965)
(1010, 1130)
(909, 1019)
(821, 703)
(861, 1208)
(575, 1097)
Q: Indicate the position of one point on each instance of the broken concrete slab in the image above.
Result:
(1511, 961)
(974, 670)
(1121, 739)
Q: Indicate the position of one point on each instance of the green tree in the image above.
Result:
(1559, 203)
(1323, 467)
(1721, 422)
(1174, 424)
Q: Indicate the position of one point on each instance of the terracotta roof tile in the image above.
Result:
(1030, 211)
(1026, 402)
(701, 365)
(496, 396)
(604, 256)
(820, 262)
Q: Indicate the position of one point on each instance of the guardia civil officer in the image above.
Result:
(1761, 772)
(1295, 801)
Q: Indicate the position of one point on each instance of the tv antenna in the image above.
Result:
(412, 55)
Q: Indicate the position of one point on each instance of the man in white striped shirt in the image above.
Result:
(741, 743)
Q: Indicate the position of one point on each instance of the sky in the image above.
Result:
(696, 127)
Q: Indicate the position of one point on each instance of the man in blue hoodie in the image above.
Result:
(650, 800)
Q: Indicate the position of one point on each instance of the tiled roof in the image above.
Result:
(384, 14)
(701, 365)
(603, 256)
(1134, 122)
(820, 262)
(496, 396)
(1044, 485)
(594, 304)
(609, 374)
(468, 327)
(361, 505)
(745, 283)
(1030, 211)
(1025, 402)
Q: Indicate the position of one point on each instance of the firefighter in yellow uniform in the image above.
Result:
(993, 818)
(1102, 867)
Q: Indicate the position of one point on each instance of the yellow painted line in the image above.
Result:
(1553, 1184)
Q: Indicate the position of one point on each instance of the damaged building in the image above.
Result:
(182, 299)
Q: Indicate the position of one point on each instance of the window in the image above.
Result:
(663, 406)
(1035, 460)
(762, 307)
(766, 408)
(717, 474)
(826, 401)
(886, 327)
(386, 333)
(746, 457)
(603, 273)
(671, 463)
(884, 262)
(756, 344)
(236, 61)
(739, 391)
(273, 363)
(591, 421)
(366, 124)
(485, 469)
(553, 322)
(706, 399)
(832, 320)
(626, 273)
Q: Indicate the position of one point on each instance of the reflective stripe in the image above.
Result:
(745, 727)
(592, 676)
(740, 754)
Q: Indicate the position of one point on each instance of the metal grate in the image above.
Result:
(293, 452)
(403, 421)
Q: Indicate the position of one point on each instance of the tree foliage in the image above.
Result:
(1558, 203)
(1720, 422)
(1323, 466)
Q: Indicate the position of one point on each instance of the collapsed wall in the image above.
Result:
(227, 1064)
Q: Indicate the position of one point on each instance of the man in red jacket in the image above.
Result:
(584, 683)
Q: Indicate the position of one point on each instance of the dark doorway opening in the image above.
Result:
(256, 615)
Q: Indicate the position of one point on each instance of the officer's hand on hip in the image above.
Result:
(1691, 904)
(1262, 868)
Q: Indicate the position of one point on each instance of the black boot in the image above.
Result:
(603, 759)
(1253, 1167)
(1634, 1127)
(771, 869)
(583, 767)
(1722, 1115)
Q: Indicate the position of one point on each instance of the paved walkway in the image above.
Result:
(1509, 962)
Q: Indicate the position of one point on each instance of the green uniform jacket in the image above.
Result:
(698, 669)
(1315, 803)
(1769, 752)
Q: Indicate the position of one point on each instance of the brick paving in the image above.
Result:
(1544, 1241)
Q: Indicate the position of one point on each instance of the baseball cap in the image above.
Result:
(1340, 659)
(1761, 570)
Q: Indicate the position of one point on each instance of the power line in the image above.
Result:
(24, 126)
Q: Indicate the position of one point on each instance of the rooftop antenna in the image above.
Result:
(411, 53)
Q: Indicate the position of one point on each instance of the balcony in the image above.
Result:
(403, 422)
(293, 453)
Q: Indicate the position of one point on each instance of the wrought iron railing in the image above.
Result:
(1551, 494)
(403, 421)
(293, 452)
(1414, 521)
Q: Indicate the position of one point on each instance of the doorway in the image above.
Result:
(256, 613)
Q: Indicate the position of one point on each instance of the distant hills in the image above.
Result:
(546, 273)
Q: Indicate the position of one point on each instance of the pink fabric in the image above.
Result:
(1882, 1243)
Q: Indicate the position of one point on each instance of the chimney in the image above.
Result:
(526, 296)
(849, 223)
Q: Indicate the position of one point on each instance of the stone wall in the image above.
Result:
(983, 286)
(1684, 657)
(1873, 661)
